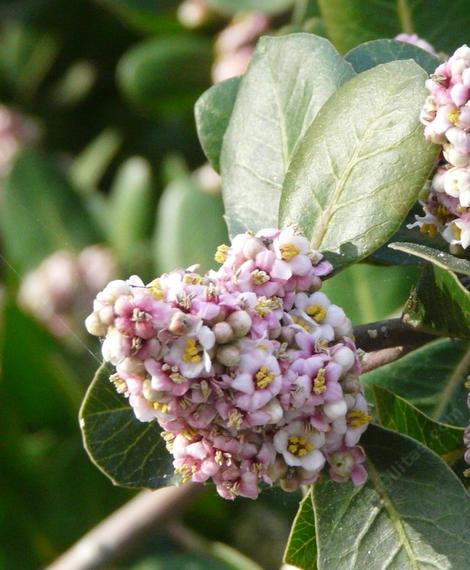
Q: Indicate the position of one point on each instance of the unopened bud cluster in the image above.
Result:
(58, 289)
(446, 116)
(250, 370)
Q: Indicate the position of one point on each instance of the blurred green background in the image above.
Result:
(102, 176)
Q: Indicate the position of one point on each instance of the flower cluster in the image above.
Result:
(415, 40)
(16, 132)
(249, 370)
(58, 289)
(446, 116)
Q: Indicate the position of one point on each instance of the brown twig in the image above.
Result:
(387, 334)
(126, 528)
(378, 358)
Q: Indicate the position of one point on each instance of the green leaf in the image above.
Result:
(131, 453)
(359, 168)
(431, 378)
(287, 82)
(45, 385)
(442, 259)
(146, 16)
(26, 56)
(131, 208)
(41, 213)
(351, 22)
(355, 290)
(165, 74)
(398, 520)
(93, 161)
(212, 112)
(439, 304)
(301, 550)
(399, 415)
(190, 226)
(230, 7)
(374, 53)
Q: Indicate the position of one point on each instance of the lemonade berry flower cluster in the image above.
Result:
(446, 116)
(250, 371)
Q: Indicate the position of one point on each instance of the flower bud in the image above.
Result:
(180, 324)
(277, 469)
(252, 247)
(335, 410)
(351, 385)
(342, 462)
(95, 326)
(223, 332)
(344, 356)
(132, 366)
(240, 321)
(228, 355)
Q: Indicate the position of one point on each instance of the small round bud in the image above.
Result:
(288, 335)
(180, 324)
(274, 409)
(223, 332)
(351, 385)
(252, 247)
(131, 366)
(114, 290)
(94, 325)
(344, 356)
(240, 321)
(277, 469)
(289, 484)
(106, 315)
(335, 410)
(228, 355)
(342, 462)
(275, 332)
(344, 329)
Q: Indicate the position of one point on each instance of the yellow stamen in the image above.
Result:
(456, 231)
(429, 230)
(319, 386)
(299, 446)
(221, 253)
(191, 352)
(317, 312)
(453, 116)
(235, 419)
(119, 383)
(265, 305)
(288, 251)
(156, 290)
(357, 418)
(160, 407)
(264, 377)
(300, 321)
(193, 279)
(259, 277)
(188, 433)
(441, 212)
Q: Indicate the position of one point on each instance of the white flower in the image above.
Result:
(114, 346)
(457, 232)
(457, 184)
(300, 448)
(317, 311)
(191, 353)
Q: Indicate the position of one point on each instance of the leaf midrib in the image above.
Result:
(317, 238)
(393, 513)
